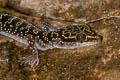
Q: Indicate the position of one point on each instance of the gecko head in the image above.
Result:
(81, 35)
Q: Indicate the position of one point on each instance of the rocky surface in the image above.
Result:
(62, 9)
(99, 62)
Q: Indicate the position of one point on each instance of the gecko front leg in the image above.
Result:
(33, 59)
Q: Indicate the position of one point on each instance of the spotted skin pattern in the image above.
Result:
(46, 36)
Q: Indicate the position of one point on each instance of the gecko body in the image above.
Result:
(46, 36)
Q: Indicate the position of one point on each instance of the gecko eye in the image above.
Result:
(80, 37)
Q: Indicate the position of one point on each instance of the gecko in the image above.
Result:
(46, 36)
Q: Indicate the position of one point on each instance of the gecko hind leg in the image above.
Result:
(33, 59)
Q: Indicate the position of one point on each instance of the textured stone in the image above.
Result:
(3, 3)
(55, 9)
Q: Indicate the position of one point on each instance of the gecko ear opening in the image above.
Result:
(81, 38)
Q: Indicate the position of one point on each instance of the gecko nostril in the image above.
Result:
(100, 38)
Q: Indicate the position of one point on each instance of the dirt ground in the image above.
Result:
(99, 62)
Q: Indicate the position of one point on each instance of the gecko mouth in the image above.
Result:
(92, 40)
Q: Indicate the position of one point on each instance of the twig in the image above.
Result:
(109, 17)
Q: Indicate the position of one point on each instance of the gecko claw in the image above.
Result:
(33, 61)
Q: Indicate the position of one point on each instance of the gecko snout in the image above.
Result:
(100, 38)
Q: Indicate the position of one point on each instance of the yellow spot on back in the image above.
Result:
(1, 16)
(35, 31)
(22, 28)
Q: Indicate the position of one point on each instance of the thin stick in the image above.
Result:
(109, 17)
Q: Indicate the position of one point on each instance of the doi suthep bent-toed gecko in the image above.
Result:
(46, 36)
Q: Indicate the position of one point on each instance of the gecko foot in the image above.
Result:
(32, 60)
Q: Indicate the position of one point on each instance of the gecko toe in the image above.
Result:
(31, 60)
